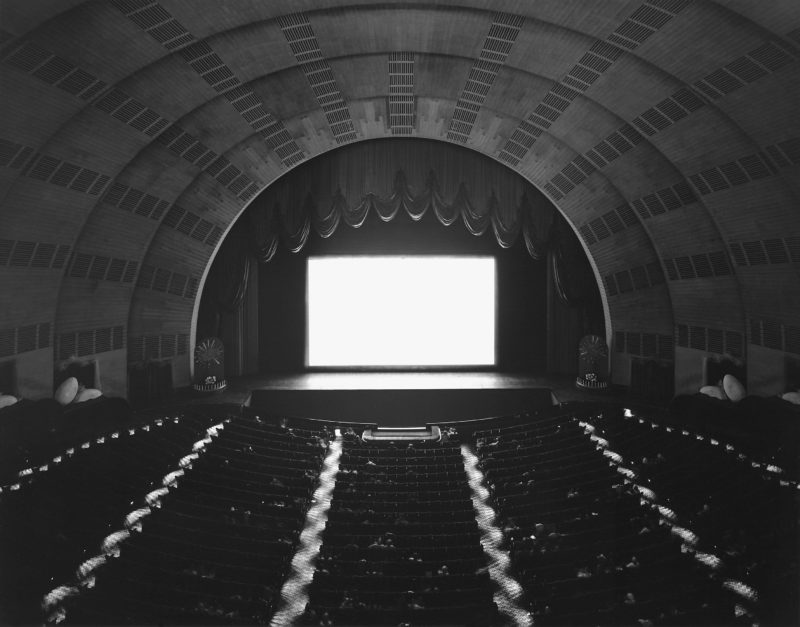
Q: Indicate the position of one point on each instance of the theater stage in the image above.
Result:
(393, 398)
(397, 399)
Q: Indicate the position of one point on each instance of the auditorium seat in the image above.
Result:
(579, 541)
(401, 543)
(219, 548)
(607, 517)
(57, 518)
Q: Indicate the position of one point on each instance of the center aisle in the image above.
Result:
(401, 543)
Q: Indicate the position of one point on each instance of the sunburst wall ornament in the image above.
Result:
(209, 371)
(592, 363)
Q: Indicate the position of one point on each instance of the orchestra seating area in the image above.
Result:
(609, 516)
(579, 540)
(33, 432)
(219, 548)
(401, 543)
(56, 518)
(739, 511)
(588, 547)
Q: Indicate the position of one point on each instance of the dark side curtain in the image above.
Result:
(572, 276)
(226, 284)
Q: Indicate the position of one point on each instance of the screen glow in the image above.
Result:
(401, 311)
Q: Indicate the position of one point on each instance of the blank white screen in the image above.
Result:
(401, 311)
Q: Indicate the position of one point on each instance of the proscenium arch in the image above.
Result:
(207, 269)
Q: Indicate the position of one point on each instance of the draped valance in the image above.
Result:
(387, 177)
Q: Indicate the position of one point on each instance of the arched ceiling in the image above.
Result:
(135, 132)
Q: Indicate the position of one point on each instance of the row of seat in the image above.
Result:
(750, 522)
(581, 542)
(58, 519)
(407, 550)
(220, 546)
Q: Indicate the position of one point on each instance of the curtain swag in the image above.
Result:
(276, 222)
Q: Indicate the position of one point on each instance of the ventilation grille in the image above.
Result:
(135, 201)
(192, 225)
(151, 347)
(24, 339)
(786, 153)
(305, 47)
(155, 21)
(271, 129)
(90, 342)
(51, 170)
(53, 70)
(651, 345)
(744, 70)
(159, 24)
(210, 67)
(183, 144)
(579, 169)
(664, 200)
(56, 71)
(761, 252)
(401, 102)
(634, 279)
(642, 23)
(100, 267)
(773, 334)
(719, 341)
(701, 265)
(623, 217)
(670, 110)
(163, 280)
(130, 111)
(24, 254)
(734, 173)
(496, 48)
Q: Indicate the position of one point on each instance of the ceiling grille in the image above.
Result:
(634, 279)
(164, 280)
(643, 22)
(721, 341)
(617, 220)
(401, 102)
(746, 69)
(133, 200)
(24, 254)
(53, 70)
(185, 145)
(100, 267)
(700, 265)
(303, 44)
(772, 250)
(24, 339)
(166, 30)
(52, 170)
(154, 347)
(90, 342)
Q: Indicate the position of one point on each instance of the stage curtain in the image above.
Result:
(572, 277)
(390, 176)
(226, 285)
